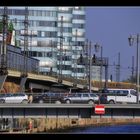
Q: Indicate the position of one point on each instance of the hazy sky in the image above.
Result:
(111, 27)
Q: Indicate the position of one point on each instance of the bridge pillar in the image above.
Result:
(106, 76)
(2, 81)
(22, 82)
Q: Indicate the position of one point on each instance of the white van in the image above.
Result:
(121, 96)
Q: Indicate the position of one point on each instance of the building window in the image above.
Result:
(65, 19)
(64, 67)
(79, 17)
(63, 8)
(19, 12)
(66, 29)
(78, 8)
(10, 11)
(79, 34)
(50, 34)
(39, 54)
(80, 43)
(47, 23)
(82, 26)
(34, 53)
(42, 34)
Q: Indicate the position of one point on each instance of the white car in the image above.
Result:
(121, 96)
(14, 98)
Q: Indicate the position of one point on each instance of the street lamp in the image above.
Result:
(90, 64)
(60, 58)
(75, 59)
(97, 47)
(131, 40)
(60, 51)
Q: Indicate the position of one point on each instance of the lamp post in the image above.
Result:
(131, 40)
(90, 63)
(75, 63)
(97, 47)
(86, 62)
(60, 51)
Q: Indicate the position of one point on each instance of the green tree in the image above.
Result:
(1, 26)
(10, 26)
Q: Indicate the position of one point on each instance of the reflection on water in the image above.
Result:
(114, 129)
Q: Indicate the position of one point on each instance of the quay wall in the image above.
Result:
(61, 124)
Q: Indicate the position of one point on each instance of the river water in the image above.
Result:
(113, 129)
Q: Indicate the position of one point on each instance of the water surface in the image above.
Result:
(113, 129)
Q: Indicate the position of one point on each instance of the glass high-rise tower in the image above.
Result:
(56, 36)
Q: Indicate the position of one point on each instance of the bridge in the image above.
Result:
(14, 72)
(130, 111)
(51, 82)
(35, 80)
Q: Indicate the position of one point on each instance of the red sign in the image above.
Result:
(99, 109)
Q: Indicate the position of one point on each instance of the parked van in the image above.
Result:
(121, 95)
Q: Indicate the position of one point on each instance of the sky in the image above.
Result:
(110, 27)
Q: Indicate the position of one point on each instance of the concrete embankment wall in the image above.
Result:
(60, 124)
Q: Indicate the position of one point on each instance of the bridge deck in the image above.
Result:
(67, 111)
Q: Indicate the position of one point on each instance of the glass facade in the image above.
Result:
(56, 37)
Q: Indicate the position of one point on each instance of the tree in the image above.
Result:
(1, 27)
(10, 32)
(10, 27)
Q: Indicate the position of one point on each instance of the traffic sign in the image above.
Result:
(99, 109)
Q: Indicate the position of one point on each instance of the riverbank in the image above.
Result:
(62, 125)
(112, 122)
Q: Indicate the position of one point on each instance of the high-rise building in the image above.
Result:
(56, 36)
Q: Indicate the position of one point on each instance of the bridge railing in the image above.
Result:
(115, 85)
